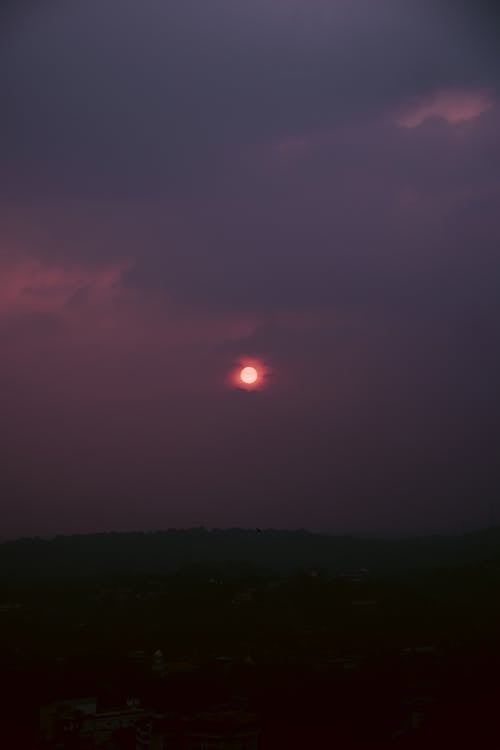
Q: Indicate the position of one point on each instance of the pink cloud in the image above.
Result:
(453, 106)
(36, 287)
(78, 335)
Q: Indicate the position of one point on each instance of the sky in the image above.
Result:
(312, 186)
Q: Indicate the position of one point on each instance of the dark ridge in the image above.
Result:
(172, 551)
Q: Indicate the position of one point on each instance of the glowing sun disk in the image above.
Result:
(249, 375)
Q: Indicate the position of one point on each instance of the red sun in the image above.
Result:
(249, 375)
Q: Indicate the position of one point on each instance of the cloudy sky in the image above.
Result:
(310, 185)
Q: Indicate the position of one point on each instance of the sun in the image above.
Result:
(249, 375)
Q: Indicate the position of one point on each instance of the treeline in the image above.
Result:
(232, 550)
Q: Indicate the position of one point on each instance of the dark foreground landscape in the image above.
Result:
(240, 640)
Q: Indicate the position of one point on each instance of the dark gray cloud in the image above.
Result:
(128, 97)
(384, 219)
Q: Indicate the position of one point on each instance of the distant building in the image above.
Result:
(99, 728)
(143, 734)
(415, 712)
(60, 715)
(243, 597)
(218, 730)
(77, 721)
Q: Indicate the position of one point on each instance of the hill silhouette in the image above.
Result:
(231, 550)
